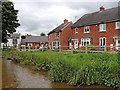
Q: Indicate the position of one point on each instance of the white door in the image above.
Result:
(117, 43)
(70, 44)
(76, 44)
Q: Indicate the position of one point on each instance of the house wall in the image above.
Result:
(35, 44)
(64, 35)
(96, 34)
(51, 37)
(10, 42)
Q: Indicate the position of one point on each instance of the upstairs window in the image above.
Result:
(76, 30)
(117, 25)
(14, 41)
(86, 29)
(57, 34)
(102, 27)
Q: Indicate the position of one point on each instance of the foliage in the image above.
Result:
(42, 34)
(76, 69)
(9, 20)
(6, 53)
(23, 36)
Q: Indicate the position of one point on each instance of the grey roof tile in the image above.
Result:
(59, 28)
(107, 15)
(36, 39)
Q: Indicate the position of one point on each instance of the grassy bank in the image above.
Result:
(78, 69)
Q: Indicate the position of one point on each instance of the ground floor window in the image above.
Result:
(118, 44)
(85, 41)
(38, 45)
(102, 41)
(30, 44)
(56, 44)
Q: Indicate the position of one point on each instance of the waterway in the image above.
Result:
(15, 75)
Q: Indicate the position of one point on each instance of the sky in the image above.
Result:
(36, 16)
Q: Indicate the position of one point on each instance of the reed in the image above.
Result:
(76, 69)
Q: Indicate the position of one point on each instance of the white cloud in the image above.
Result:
(36, 17)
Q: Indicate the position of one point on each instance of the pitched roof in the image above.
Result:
(36, 39)
(107, 15)
(60, 27)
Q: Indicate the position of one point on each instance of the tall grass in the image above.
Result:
(78, 69)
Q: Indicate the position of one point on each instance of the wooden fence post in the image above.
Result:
(50, 47)
(35, 48)
(86, 51)
(105, 48)
(72, 49)
(60, 48)
(42, 48)
(29, 48)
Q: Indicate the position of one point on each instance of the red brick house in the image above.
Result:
(61, 35)
(38, 41)
(98, 28)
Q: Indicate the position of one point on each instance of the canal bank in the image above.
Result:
(0, 72)
(21, 76)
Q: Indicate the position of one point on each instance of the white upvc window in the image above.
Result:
(57, 34)
(102, 41)
(76, 30)
(38, 45)
(86, 29)
(30, 44)
(117, 25)
(85, 41)
(102, 27)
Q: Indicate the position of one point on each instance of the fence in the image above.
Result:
(86, 49)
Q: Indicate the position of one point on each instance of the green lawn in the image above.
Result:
(76, 69)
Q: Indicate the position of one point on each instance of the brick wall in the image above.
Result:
(96, 34)
(64, 35)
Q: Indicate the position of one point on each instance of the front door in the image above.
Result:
(118, 44)
(76, 44)
(70, 44)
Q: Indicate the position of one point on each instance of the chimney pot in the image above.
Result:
(102, 8)
(65, 21)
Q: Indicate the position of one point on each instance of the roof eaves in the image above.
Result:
(95, 23)
(66, 25)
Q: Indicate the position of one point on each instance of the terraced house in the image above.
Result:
(60, 35)
(98, 28)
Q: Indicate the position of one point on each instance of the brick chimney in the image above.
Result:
(65, 21)
(102, 8)
(27, 34)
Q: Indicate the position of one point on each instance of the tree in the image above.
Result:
(42, 34)
(9, 20)
(23, 36)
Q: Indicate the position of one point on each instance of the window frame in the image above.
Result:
(56, 36)
(76, 29)
(88, 28)
(101, 27)
(83, 40)
(116, 27)
(102, 41)
(30, 44)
